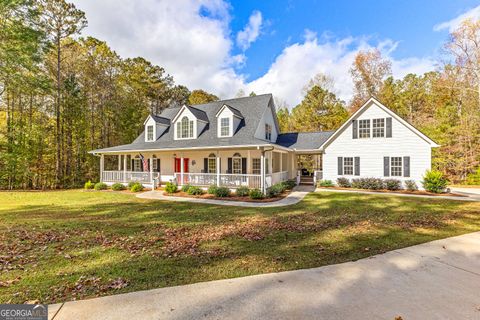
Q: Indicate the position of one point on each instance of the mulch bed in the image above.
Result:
(230, 198)
(418, 192)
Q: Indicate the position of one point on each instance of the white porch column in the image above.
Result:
(247, 170)
(119, 162)
(217, 166)
(124, 168)
(262, 171)
(102, 160)
(281, 162)
(181, 171)
(151, 170)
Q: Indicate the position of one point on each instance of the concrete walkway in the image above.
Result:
(466, 196)
(297, 194)
(435, 280)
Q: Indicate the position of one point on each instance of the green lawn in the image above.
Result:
(65, 245)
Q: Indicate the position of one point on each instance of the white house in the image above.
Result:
(237, 142)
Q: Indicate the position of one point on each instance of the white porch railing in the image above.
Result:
(128, 176)
(226, 180)
(279, 176)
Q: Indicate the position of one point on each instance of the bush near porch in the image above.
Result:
(54, 249)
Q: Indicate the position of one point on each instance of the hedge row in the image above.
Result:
(132, 186)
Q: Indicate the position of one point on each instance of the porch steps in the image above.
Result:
(306, 181)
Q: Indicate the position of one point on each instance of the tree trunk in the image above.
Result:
(58, 162)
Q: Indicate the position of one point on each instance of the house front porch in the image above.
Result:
(232, 168)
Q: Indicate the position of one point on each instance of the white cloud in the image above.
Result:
(251, 31)
(192, 40)
(189, 38)
(455, 22)
(300, 62)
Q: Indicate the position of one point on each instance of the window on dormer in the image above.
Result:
(224, 127)
(185, 128)
(268, 132)
(149, 133)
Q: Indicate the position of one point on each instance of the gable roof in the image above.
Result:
(199, 114)
(233, 110)
(158, 119)
(250, 107)
(303, 140)
(365, 106)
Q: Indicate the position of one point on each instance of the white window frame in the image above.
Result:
(212, 164)
(137, 165)
(364, 128)
(396, 166)
(256, 166)
(237, 164)
(224, 126)
(268, 132)
(150, 134)
(378, 128)
(348, 162)
(185, 128)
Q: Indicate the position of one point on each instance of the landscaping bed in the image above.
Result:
(416, 192)
(229, 198)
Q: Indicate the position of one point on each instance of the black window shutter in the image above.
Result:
(389, 128)
(229, 168)
(158, 165)
(386, 166)
(205, 165)
(406, 166)
(244, 165)
(354, 129)
(357, 166)
(340, 166)
(133, 165)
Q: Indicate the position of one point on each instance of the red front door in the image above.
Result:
(178, 164)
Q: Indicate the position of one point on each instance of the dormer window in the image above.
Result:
(149, 133)
(224, 127)
(268, 132)
(185, 128)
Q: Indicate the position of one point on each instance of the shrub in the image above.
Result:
(137, 187)
(118, 187)
(275, 190)
(368, 183)
(325, 183)
(185, 187)
(434, 181)
(343, 182)
(171, 187)
(100, 186)
(212, 189)
(195, 191)
(222, 192)
(89, 185)
(256, 194)
(131, 184)
(289, 184)
(474, 178)
(242, 191)
(411, 185)
(392, 184)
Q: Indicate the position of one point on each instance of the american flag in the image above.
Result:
(144, 162)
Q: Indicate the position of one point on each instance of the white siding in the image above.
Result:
(267, 118)
(226, 113)
(371, 151)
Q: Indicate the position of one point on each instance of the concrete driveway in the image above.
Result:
(436, 280)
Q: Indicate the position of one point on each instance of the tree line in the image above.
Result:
(444, 104)
(62, 95)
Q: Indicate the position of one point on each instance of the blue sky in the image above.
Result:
(274, 46)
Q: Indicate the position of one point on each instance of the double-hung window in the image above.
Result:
(364, 128)
(378, 128)
(224, 127)
(256, 166)
(237, 165)
(212, 163)
(149, 133)
(396, 166)
(268, 132)
(348, 166)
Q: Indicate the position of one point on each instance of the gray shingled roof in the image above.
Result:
(161, 120)
(303, 140)
(250, 108)
(234, 111)
(199, 114)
